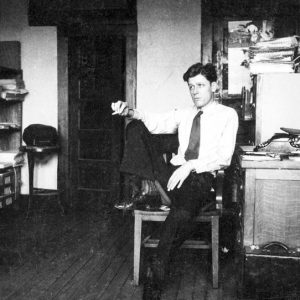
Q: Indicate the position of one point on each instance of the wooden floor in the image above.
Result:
(88, 255)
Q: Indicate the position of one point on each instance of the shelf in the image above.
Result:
(10, 102)
(12, 94)
(7, 73)
(9, 130)
(13, 98)
(9, 126)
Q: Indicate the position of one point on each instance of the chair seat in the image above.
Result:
(190, 244)
(159, 216)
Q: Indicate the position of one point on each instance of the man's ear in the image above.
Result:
(214, 86)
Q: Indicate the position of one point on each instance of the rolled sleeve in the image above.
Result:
(160, 123)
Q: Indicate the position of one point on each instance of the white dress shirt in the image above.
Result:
(219, 124)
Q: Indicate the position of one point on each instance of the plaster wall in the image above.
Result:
(39, 64)
(169, 41)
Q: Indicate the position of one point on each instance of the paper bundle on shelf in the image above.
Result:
(271, 67)
(11, 159)
(9, 125)
(12, 89)
(284, 43)
(274, 56)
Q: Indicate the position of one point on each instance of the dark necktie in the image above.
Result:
(192, 151)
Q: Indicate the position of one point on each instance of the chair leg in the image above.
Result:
(215, 250)
(60, 205)
(137, 248)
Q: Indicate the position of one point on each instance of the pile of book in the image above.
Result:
(12, 89)
(274, 56)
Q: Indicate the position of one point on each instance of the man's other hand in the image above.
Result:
(179, 176)
(120, 108)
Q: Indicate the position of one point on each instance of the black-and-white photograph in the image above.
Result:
(150, 149)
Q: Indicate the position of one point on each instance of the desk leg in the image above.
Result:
(137, 248)
(215, 250)
(30, 157)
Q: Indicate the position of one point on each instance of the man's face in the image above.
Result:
(201, 90)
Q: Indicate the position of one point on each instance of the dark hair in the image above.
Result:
(208, 71)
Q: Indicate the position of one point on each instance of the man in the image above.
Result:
(206, 133)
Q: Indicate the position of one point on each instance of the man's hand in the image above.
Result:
(120, 108)
(179, 176)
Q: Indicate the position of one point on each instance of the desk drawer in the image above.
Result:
(7, 200)
(10, 180)
(7, 178)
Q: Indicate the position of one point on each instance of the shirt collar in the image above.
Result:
(209, 107)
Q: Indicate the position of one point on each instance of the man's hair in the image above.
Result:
(208, 71)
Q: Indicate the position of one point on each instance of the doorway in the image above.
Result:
(96, 66)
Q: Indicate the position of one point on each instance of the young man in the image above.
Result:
(206, 133)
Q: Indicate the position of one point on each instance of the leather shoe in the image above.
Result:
(124, 205)
(142, 202)
(147, 202)
(139, 201)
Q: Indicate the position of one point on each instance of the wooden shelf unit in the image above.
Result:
(10, 121)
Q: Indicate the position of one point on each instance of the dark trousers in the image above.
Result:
(143, 157)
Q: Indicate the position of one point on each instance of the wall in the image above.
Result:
(169, 41)
(39, 64)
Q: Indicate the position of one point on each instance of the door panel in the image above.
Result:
(96, 80)
(94, 176)
(94, 145)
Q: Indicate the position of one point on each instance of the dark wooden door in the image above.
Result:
(96, 68)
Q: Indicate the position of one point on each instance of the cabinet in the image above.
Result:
(271, 207)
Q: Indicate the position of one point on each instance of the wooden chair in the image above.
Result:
(210, 213)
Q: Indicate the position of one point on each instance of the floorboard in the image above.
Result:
(89, 255)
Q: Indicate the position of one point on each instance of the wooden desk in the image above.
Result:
(271, 205)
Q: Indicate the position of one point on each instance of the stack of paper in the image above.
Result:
(279, 55)
(274, 56)
(9, 125)
(285, 42)
(11, 158)
(255, 156)
(12, 89)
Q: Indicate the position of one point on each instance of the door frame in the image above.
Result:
(65, 170)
